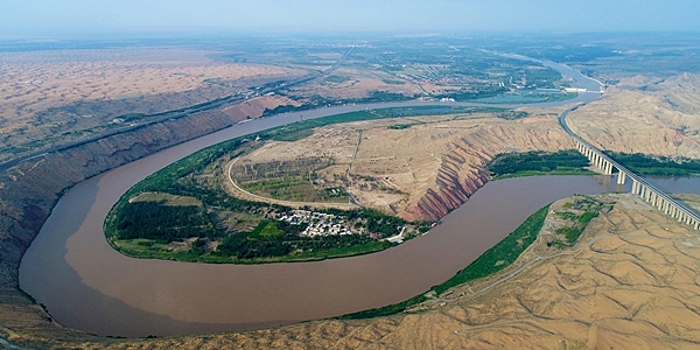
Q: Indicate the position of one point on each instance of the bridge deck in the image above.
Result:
(678, 204)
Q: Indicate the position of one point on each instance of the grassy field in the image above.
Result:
(270, 230)
(291, 180)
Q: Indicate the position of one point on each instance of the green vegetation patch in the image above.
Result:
(281, 241)
(399, 126)
(291, 180)
(565, 162)
(268, 229)
(393, 82)
(578, 214)
(502, 254)
(512, 115)
(154, 220)
(335, 79)
(650, 165)
(493, 260)
(151, 228)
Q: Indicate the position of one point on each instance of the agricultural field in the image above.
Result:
(294, 180)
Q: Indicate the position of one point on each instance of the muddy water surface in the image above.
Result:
(85, 284)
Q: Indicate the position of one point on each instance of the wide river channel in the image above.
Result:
(85, 284)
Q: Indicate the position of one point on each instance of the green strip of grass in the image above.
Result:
(576, 171)
(506, 251)
(188, 256)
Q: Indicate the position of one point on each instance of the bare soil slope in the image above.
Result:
(647, 116)
(630, 282)
(423, 171)
(255, 107)
(56, 93)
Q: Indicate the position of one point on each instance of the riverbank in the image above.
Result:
(333, 333)
(497, 258)
(74, 276)
(546, 289)
(195, 237)
(285, 288)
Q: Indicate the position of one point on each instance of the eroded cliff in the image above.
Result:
(29, 190)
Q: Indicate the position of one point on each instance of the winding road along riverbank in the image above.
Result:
(87, 285)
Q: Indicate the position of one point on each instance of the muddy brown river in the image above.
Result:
(85, 284)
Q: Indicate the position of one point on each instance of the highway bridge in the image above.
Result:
(641, 187)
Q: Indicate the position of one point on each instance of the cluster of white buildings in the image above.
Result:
(318, 224)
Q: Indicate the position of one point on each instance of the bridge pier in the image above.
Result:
(647, 192)
(621, 177)
(596, 159)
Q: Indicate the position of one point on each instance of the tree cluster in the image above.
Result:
(511, 163)
(656, 165)
(250, 245)
(153, 220)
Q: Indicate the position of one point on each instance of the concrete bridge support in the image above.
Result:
(640, 187)
(608, 168)
(621, 177)
(635, 187)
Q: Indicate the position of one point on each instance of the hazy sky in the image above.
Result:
(363, 15)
